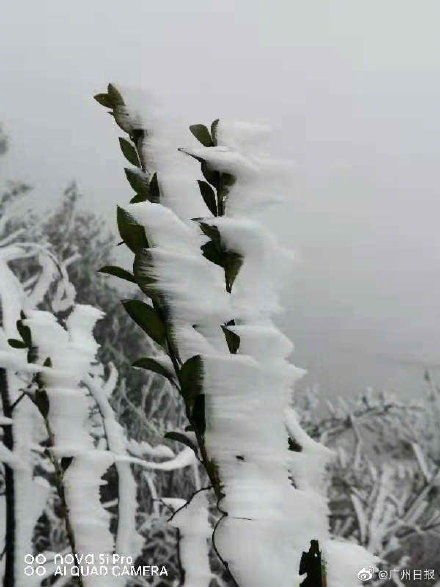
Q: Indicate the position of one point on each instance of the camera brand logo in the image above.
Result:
(34, 565)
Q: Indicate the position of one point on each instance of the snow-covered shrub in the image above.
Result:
(211, 273)
(55, 249)
(48, 383)
(384, 483)
(24, 494)
(66, 436)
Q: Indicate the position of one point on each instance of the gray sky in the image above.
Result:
(352, 89)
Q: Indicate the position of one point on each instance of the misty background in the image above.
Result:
(352, 90)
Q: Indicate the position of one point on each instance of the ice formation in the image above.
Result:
(271, 494)
(71, 352)
(194, 535)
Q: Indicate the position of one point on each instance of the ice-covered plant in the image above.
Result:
(39, 260)
(62, 434)
(383, 490)
(48, 387)
(24, 494)
(211, 271)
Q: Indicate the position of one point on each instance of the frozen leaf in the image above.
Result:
(198, 413)
(154, 190)
(132, 233)
(191, 378)
(232, 340)
(153, 365)
(214, 126)
(139, 182)
(202, 134)
(208, 196)
(115, 96)
(179, 437)
(117, 272)
(16, 344)
(147, 318)
(104, 100)
(129, 152)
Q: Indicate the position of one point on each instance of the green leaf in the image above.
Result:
(139, 182)
(179, 437)
(138, 134)
(212, 253)
(233, 263)
(198, 413)
(202, 134)
(208, 196)
(136, 199)
(129, 152)
(17, 344)
(42, 402)
(104, 100)
(24, 332)
(143, 269)
(211, 175)
(232, 340)
(65, 463)
(212, 232)
(154, 190)
(215, 252)
(147, 318)
(117, 272)
(115, 96)
(212, 250)
(214, 126)
(132, 233)
(228, 179)
(196, 157)
(191, 379)
(294, 445)
(153, 365)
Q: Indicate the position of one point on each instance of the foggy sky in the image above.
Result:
(352, 89)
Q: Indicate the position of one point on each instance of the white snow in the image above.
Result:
(195, 533)
(273, 496)
(270, 520)
(175, 173)
(193, 287)
(128, 542)
(344, 560)
(30, 495)
(71, 352)
(185, 458)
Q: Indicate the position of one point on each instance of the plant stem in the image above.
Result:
(61, 494)
(174, 356)
(138, 138)
(8, 440)
(173, 352)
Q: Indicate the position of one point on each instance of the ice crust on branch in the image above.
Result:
(192, 287)
(194, 537)
(160, 152)
(269, 492)
(255, 294)
(29, 492)
(128, 542)
(71, 352)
